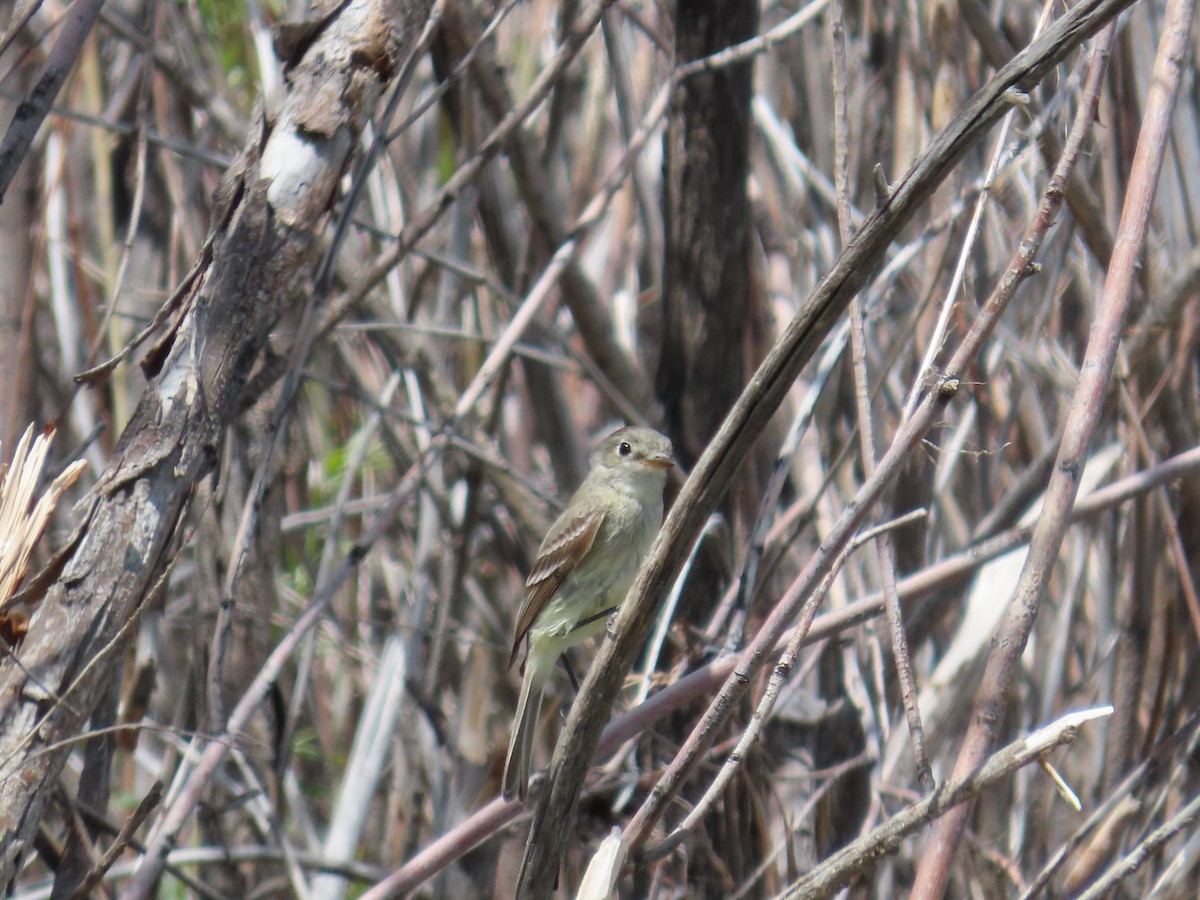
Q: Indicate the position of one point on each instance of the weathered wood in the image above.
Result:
(272, 205)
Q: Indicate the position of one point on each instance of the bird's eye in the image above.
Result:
(624, 449)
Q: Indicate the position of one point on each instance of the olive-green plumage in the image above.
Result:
(584, 569)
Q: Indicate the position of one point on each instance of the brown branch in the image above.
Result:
(549, 832)
(178, 811)
(30, 113)
(270, 207)
(1081, 195)
(122, 840)
(488, 149)
(855, 857)
(1138, 856)
(885, 549)
(701, 682)
(933, 873)
(926, 170)
(541, 198)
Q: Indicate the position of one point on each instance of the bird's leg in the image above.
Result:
(566, 664)
(583, 623)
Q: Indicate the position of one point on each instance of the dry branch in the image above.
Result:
(485, 822)
(319, 674)
(271, 207)
(710, 478)
(842, 866)
(933, 875)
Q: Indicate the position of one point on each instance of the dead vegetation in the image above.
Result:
(349, 322)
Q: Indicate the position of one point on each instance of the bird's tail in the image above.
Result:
(520, 745)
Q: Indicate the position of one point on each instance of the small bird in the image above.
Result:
(584, 568)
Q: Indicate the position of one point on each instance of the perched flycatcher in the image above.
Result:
(583, 571)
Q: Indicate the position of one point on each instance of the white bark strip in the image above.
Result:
(272, 203)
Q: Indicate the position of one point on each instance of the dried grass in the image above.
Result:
(431, 439)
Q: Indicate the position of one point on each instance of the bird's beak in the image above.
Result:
(659, 462)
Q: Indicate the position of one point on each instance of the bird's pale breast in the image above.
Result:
(601, 580)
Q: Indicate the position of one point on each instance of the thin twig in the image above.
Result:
(120, 842)
(701, 682)
(711, 466)
(27, 119)
(933, 873)
(838, 869)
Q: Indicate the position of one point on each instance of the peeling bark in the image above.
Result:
(274, 202)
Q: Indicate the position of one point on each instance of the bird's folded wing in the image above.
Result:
(567, 543)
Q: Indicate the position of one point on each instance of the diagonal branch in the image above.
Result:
(933, 874)
(270, 208)
(30, 114)
(858, 855)
(701, 682)
(548, 833)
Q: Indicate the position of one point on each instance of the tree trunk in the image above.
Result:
(272, 205)
(708, 301)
